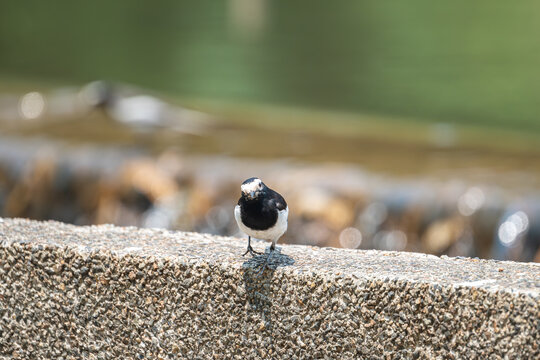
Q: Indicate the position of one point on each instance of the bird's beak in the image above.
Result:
(252, 194)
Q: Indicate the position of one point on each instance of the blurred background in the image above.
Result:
(386, 125)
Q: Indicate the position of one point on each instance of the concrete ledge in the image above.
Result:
(104, 292)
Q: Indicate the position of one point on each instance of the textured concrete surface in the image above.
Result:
(104, 292)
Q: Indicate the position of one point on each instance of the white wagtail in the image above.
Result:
(143, 113)
(261, 212)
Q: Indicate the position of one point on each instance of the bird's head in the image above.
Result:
(252, 188)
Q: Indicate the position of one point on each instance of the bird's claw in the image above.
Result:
(251, 251)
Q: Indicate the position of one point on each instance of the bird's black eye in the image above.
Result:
(260, 185)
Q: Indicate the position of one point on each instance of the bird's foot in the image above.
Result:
(251, 252)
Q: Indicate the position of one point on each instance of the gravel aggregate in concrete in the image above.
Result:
(105, 292)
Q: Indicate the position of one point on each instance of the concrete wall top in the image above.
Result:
(105, 291)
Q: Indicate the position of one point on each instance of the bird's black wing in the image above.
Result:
(277, 199)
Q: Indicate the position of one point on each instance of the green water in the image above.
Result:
(465, 62)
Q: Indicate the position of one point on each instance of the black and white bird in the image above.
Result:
(261, 213)
(141, 112)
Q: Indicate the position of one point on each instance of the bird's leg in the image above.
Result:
(272, 249)
(250, 249)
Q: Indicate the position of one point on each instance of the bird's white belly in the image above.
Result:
(272, 234)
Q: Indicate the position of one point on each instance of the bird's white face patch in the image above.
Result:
(252, 186)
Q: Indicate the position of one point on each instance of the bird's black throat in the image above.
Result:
(258, 214)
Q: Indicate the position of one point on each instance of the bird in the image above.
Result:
(261, 213)
(143, 113)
